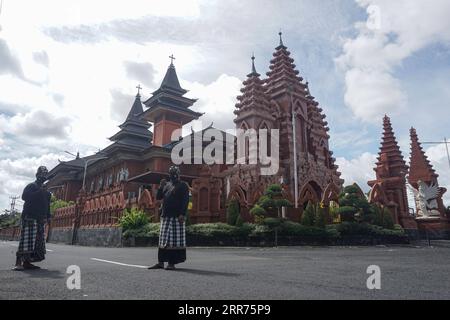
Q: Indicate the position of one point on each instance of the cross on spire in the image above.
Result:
(171, 59)
(139, 89)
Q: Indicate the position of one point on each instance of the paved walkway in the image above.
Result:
(407, 272)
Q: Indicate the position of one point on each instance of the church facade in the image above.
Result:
(126, 173)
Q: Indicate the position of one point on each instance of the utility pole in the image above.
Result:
(446, 143)
(13, 204)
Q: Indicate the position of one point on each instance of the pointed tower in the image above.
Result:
(253, 109)
(134, 133)
(292, 101)
(421, 170)
(391, 170)
(282, 101)
(419, 167)
(168, 109)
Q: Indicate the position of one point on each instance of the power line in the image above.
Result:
(446, 142)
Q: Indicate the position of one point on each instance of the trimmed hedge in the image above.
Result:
(285, 229)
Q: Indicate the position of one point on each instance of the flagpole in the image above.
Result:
(295, 151)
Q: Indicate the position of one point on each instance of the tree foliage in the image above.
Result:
(272, 201)
(58, 203)
(233, 212)
(133, 219)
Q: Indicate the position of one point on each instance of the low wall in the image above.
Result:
(61, 236)
(95, 237)
(268, 241)
(99, 237)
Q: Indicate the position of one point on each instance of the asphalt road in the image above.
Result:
(232, 273)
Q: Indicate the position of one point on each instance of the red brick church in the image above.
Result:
(126, 173)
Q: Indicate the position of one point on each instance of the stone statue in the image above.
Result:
(426, 199)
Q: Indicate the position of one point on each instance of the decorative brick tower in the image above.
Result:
(306, 168)
(168, 109)
(422, 177)
(304, 153)
(389, 188)
(253, 109)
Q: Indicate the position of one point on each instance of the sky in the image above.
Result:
(69, 71)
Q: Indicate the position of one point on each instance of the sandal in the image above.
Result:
(156, 266)
(29, 266)
(18, 268)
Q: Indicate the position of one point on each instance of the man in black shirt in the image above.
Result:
(172, 236)
(36, 212)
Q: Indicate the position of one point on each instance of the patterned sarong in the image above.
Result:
(172, 241)
(172, 234)
(32, 241)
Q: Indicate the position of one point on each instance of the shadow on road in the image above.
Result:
(207, 272)
(44, 273)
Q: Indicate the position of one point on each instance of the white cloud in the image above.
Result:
(370, 59)
(16, 174)
(359, 169)
(216, 100)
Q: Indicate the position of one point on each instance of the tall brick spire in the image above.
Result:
(282, 70)
(389, 188)
(253, 95)
(390, 160)
(420, 167)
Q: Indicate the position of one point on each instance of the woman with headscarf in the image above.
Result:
(172, 236)
(36, 212)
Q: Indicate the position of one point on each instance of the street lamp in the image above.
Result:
(86, 162)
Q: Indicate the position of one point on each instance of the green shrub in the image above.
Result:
(259, 213)
(354, 206)
(217, 230)
(133, 219)
(272, 223)
(260, 230)
(271, 202)
(8, 220)
(308, 216)
(365, 229)
(320, 219)
(57, 204)
(239, 221)
(382, 217)
(233, 212)
(347, 213)
(289, 228)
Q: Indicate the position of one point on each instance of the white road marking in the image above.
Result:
(49, 250)
(120, 263)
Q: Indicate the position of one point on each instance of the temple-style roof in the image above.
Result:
(170, 80)
(134, 131)
(420, 167)
(390, 160)
(169, 99)
(253, 94)
(282, 70)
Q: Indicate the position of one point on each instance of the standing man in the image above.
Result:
(172, 235)
(36, 212)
